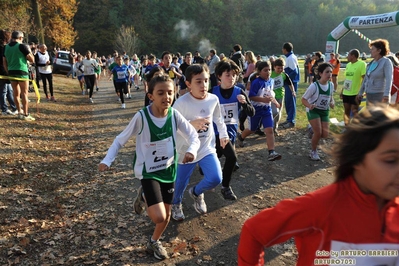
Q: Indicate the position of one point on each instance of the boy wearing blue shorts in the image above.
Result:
(261, 95)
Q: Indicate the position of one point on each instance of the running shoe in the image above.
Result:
(156, 247)
(310, 132)
(228, 193)
(91, 100)
(260, 132)
(139, 203)
(274, 156)
(123, 106)
(240, 140)
(314, 156)
(28, 118)
(199, 203)
(289, 125)
(177, 212)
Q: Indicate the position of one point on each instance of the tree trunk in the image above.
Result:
(38, 21)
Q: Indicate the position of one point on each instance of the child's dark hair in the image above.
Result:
(362, 135)
(279, 62)
(322, 67)
(226, 65)
(155, 70)
(262, 65)
(195, 69)
(158, 78)
(165, 53)
(151, 57)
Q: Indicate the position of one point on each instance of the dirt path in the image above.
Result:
(57, 209)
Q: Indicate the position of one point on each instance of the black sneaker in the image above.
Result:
(228, 193)
(289, 125)
(97, 89)
(260, 132)
(239, 140)
(236, 167)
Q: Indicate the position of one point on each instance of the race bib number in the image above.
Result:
(230, 113)
(347, 85)
(121, 75)
(203, 134)
(159, 155)
(323, 102)
(278, 82)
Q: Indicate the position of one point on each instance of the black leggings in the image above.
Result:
(90, 79)
(49, 78)
(121, 87)
(230, 162)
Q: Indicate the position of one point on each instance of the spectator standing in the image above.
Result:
(43, 63)
(336, 64)
(378, 80)
(5, 86)
(198, 59)
(306, 64)
(354, 74)
(72, 60)
(214, 59)
(239, 59)
(15, 59)
(292, 70)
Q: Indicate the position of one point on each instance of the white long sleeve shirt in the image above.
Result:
(192, 109)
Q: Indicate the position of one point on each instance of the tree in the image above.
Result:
(127, 40)
(57, 18)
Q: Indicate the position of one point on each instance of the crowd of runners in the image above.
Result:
(197, 108)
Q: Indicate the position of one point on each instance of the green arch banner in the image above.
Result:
(359, 22)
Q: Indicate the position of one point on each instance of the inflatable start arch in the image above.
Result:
(354, 23)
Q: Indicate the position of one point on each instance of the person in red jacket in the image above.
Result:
(359, 211)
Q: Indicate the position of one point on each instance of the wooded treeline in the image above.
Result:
(258, 25)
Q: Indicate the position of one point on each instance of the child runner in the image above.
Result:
(280, 80)
(121, 76)
(231, 99)
(135, 62)
(79, 73)
(359, 211)
(98, 69)
(132, 73)
(202, 109)
(155, 159)
(89, 67)
(262, 95)
(318, 99)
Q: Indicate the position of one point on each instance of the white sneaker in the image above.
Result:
(199, 203)
(177, 212)
(314, 156)
(123, 106)
(91, 100)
